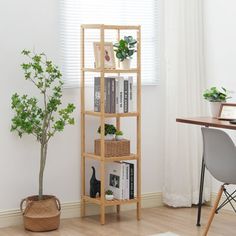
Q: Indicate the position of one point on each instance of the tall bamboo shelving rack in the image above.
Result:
(102, 115)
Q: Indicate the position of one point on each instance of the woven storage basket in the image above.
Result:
(41, 215)
(113, 148)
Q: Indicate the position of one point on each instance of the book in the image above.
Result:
(121, 95)
(115, 179)
(127, 180)
(126, 95)
(131, 181)
(112, 95)
(117, 81)
(131, 100)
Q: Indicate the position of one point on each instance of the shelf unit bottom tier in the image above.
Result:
(113, 202)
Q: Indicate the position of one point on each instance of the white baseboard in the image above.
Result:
(72, 209)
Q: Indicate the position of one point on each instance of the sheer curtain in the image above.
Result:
(184, 84)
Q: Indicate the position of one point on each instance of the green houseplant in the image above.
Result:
(216, 96)
(119, 135)
(41, 118)
(110, 131)
(125, 49)
(109, 195)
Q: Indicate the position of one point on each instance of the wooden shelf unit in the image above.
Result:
(102, 115)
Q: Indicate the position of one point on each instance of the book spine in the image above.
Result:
(122, 181)
(131, 100)
(131, 182)
(117, 96)
(127, 180)
(126, 95)
(96, 94)
(112, 95)
(121, 95)
(108, 94)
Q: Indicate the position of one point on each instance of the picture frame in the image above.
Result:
(109, 58)
(227, 111)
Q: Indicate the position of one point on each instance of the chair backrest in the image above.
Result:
(219, 155)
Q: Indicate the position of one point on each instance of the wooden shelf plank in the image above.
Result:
(128, 114)
(109, 159)
(114, 202)
(132, 70)
(115, 27)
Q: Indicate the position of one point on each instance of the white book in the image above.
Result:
(127, 180)
(130, 97)
(115, 179)
(121, 95)
(117, 81)
(123, 181)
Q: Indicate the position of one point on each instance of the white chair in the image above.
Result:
(220, 159)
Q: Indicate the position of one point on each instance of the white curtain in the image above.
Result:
(185, 82)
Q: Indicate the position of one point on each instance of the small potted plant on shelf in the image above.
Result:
(41, 117)
(125, 49)
(119, 135)
(216, 96)
(110, 131)
(109, 195)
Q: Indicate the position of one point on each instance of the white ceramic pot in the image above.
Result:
(109, 137)
(119, 137)
(215, 109)
(125, 65)
(109, 197)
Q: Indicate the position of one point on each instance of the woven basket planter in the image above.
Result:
(113, 148)
(41, 215)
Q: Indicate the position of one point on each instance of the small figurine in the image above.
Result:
(94, 185)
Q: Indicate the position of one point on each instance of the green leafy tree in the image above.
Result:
(41, 121)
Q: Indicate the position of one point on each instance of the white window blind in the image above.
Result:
(73, 13)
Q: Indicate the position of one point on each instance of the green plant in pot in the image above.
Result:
(216, 96)
(125, 49)
(119, 135)
(110, 131)
(41, 117)
(109, 195)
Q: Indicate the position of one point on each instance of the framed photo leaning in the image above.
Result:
(109, 58)
(227, 111)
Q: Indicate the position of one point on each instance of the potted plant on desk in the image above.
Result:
(216, 97)
(42, 119)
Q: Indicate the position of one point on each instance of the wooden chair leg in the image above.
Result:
(213, 210)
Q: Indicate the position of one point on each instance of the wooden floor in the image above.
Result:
(154, 220)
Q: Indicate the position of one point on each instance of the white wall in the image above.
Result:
(220, 48)
(34, 24)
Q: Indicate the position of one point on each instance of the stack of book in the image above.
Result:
(120, 180)
(118, 94)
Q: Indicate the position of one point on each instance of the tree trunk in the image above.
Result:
(43, 156)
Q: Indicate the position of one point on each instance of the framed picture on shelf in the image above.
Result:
(109, 58)
(227, 111)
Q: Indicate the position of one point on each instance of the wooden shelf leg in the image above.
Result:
(118, 209)
(82, 210)
(138, 210)
(102, 215)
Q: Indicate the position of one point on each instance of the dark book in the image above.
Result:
(113, 95)
(96, 94)
(126, 96)
(131, 181)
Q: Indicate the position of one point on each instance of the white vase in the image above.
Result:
(125, 65)
(109, 137)
(109, 197)
(215, 109)
(119, 137)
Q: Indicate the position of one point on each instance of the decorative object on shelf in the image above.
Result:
(34, 209)
(125, 49)
(109, 58)
(113, 148)
(227, 111)
(42, 122)
(109, 195)
(110, 131)
(216, 97)
(95, 185)
(119, 135)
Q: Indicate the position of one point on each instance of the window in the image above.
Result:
(73, 13)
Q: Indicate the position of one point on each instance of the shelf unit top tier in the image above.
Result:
(110, 27)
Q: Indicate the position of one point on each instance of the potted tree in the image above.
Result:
(216, 96)
(42, 212)
(110, 131)
(125, 49)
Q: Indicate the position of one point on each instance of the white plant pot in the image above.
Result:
(215, 109)
(109, 137)
(109, 197)
(125, 65)
(119, 137)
